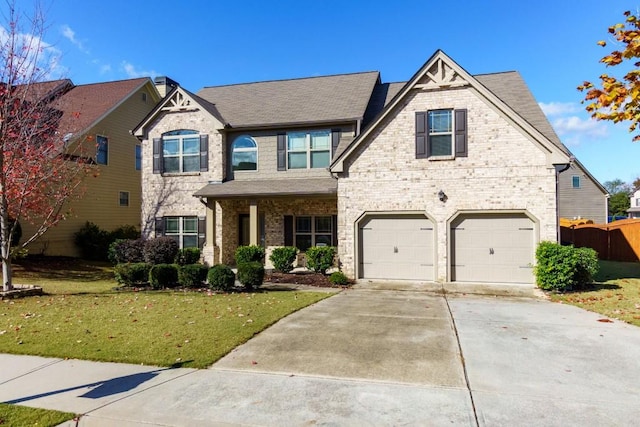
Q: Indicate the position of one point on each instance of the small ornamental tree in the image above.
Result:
(618, 98)
(39, 172)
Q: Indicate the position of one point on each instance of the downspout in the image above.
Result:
(559, 169)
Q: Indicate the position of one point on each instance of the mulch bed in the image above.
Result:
(300, 278)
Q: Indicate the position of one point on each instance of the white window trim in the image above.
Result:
(180, 156)
(180, 234)
(98, 149)
(308, 150)
(120, 193)
(451, 133)
(245, 150)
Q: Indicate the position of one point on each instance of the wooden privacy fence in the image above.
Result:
(616, 241)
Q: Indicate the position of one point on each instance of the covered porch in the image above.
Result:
(269, 213)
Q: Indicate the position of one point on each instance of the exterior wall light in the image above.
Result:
(443, 197)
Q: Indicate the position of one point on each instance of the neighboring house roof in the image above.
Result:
(325, 99)
(271, 188)
(47, 91)
(85, 105)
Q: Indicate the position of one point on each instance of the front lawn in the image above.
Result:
(22, 416)
(616, 293)
(83, 317)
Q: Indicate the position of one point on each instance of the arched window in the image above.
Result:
(244, 154)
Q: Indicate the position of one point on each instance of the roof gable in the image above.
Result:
(441, 72)
(179, 100)
(85, 105)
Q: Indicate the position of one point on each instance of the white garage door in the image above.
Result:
(397, 247)
(492, 248)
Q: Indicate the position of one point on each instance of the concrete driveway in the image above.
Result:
(372, 357)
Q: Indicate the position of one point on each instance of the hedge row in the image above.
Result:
(564, 268)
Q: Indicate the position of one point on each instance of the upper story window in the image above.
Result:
(102, 154)
(575, 181)
(123, 199)
(138, 157)
(441, 134)
(181, 151)
(244, 154)
(308, 150)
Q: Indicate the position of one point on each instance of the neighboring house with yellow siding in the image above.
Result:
(104, 115)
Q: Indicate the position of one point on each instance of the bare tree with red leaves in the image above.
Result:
(40, 172)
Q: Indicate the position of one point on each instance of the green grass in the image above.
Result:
(83, 317)
(615, 294)
(23, 416)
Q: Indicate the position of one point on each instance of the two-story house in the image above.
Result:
(634, 205)
(447, 177)
(101, 116)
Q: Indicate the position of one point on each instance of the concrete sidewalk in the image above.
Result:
(366, 357)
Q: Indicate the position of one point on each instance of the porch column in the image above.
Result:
(208, 249)
(253, 222)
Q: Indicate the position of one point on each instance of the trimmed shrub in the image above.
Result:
(126, 250)
(163, 276)
(251, 274)
(221, 278)
(132, 274)
(192, 275)
(92, 241)
(338, 278)
(564, 268)
(188, 256)
(128, 232)
(283, 258)
(320, 258)
(249, 254)
(161, 250)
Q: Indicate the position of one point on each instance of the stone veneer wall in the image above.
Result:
(503, 171)
(274, 210)
(172, 194)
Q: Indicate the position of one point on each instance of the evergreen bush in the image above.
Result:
(192, 275)
(221, 278)
(251, 274)
(282, 258)
(249, 254)
(161, 250)
(163, 276)
(320, 258)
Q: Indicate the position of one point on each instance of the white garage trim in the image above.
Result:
(410, 246)
(468, 261)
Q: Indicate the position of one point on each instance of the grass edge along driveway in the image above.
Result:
(162, 328)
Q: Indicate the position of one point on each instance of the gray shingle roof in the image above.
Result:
(513, 91)
(271, 188)
(316, 99)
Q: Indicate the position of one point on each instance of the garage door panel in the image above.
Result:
(492, 248)
(397, 247)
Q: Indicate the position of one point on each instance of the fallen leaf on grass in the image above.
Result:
(605, 320)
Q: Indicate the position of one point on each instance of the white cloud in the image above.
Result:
(132, 72)
(574, 129)
(70, 35)
(559, 108)
(41, 61)
(104, 69)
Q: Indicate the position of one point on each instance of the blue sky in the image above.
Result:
(206, 43)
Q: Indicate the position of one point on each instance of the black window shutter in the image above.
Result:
(159, 226)
(334, 230)
(421, 135)
(202, 231)
(282, 151)
(461, 133)
(288, 230)
(204, 153)
(157, 155)
(335, 141)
